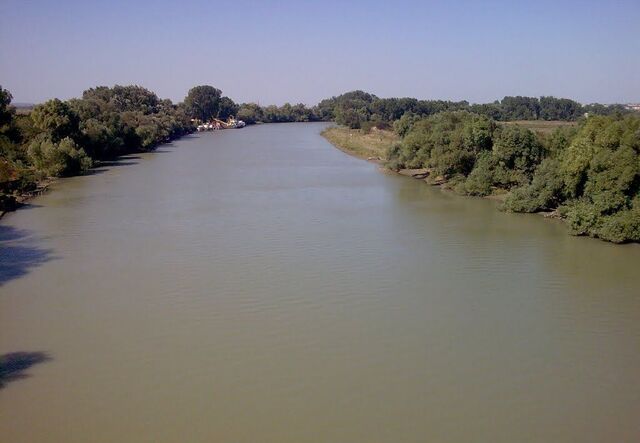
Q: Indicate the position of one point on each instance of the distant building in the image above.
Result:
(633, 106)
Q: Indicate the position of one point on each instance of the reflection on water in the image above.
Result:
(259, 285)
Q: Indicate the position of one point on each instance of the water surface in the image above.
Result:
(259, 285)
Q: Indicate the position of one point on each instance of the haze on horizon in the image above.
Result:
(287, 51)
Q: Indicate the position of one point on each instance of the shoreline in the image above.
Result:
(43, 186)
(371, 146)
(23, 199)
(421, 174)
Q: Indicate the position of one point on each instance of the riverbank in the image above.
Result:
(200, 245)
(372, 146)
(13, 202)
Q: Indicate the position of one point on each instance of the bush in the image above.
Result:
(583, 218)
(59, 159)
(621, 227)
(447, 142)
(392, 156)
(543, 193)
(480, 181)
(517, 148)
(403, 125)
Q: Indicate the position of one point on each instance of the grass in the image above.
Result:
(355, 142)
(542, 126)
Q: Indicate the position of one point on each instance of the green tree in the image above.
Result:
(447, 142)
(203, 102)
(520, 108)
(6, 112)
(518, 149)
(56, 120)
(594, 183)
(58, 159)
(250, 113)
(227, 108)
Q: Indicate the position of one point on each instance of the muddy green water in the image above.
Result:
(259, 285)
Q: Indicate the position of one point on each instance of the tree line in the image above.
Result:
(588, 174)
(358, 109)
(63, 138)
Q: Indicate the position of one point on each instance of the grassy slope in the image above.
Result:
(355, 142)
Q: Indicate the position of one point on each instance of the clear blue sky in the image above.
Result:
(302, 51)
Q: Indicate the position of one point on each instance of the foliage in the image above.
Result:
(125, 98)
(203, 102)
(552, 108)
(518, 149)
(545, 192)
(621, 227)
(481, 180)
(354, 108)
(448, 143)
(58, 159)
(594, 182)
(403, 125)
(520, 108)
(252, 113)
(6, 112)
(227, 108)
(63, 138)
(56, 120)
(559, 140)
(606, 110)
(589, 174)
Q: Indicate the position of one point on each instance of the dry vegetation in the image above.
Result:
(372, 145)
(542, 126)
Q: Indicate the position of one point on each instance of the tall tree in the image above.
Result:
(56, 120)
(6, 112)
(203, 102)
(227, 108)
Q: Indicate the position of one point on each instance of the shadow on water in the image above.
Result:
(14, 366)
(28, 205)
(104, 166)
(19, 253)
(193, 136)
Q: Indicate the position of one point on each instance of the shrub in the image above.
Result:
(59, 159)
(621, 227)
(481, 179)
(583, 218)
(447, 142)
(544, 192)
(517, 148)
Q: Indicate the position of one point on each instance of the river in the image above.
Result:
(259, 285)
